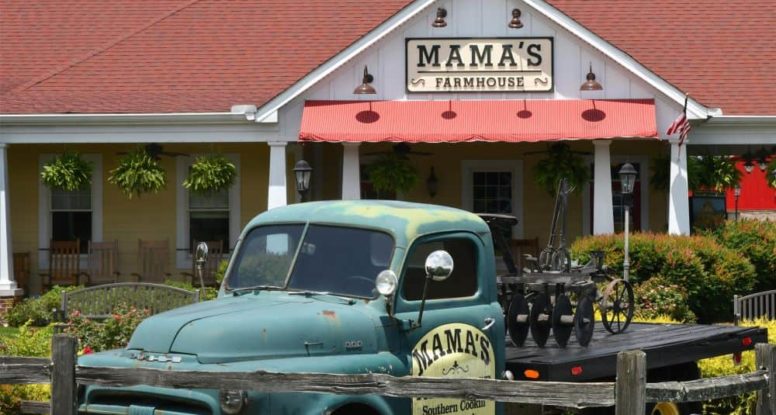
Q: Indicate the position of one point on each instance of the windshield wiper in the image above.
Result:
(308, 293)
(256, 288)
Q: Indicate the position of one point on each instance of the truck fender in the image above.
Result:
(361, 405)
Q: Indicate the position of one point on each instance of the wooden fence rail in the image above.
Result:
(628, 394)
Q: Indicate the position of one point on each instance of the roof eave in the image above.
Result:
(695, 110)
(401, 17)
(124, 119)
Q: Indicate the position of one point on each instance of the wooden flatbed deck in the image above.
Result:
(664, 344)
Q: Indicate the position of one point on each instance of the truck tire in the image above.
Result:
(355, 409)
(681, 372)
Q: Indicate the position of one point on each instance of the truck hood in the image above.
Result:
(261, 326)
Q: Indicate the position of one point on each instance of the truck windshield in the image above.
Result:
(334, 259)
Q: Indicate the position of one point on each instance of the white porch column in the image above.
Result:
(678, 203)
(8, 286)
(351, 172)
(276, 194)
(603, 212)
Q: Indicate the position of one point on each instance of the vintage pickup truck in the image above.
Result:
(353, 287)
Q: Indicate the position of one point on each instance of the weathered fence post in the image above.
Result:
(630, 389)
(765, 355)
(63, 388)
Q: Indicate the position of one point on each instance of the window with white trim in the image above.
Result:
(208, 217)
(71, 215)
(494, 186)
(64, 215)
(205, 217)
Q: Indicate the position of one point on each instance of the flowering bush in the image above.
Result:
(709, 272)
(656, 298)
(114, 332)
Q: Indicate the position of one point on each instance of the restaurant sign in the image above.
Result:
(480, 64)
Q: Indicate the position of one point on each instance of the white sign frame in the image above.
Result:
(461, 64)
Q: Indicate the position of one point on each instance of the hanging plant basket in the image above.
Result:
(392, 173)
(68, 172)
(712, 173)
(210, 173)
(138, 173)
(561, 162)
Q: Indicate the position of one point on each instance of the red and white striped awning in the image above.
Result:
(471, 121)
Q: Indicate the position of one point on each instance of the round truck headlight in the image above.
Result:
(386, 282)
(232, 402)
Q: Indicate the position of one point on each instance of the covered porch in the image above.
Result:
(33, 215)
(482, 156)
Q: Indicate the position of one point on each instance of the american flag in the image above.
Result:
(680, 125)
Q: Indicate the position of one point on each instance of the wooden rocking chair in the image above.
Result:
(64, 264)
(153, 261)
(103, 263)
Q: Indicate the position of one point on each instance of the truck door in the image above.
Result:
(462, 330)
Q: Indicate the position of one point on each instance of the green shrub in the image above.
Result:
(709, 272)
(656, 299)
(210, 293)
(35, 342)
(755, 240)
(723, 365)
(39, 311)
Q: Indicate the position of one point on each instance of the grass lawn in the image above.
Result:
(7, 332)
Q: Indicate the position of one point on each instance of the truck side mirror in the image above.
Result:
(439, 266)
(200, 259)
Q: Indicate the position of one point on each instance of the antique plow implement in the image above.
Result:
(552, 295)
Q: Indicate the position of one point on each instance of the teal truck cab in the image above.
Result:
(329, 287)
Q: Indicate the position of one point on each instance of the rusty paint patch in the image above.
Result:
(329, 314)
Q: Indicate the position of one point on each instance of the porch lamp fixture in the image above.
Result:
(627, 180)
(515, 23)
(737, 194)
(365, 87)
(591, 84)
(440, 18)
(302, 173)
(432, 183)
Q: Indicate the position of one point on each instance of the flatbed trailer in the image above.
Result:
(666, 346)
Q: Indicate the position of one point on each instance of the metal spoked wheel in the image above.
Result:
(584, 320)
(540, 318)
(617, 306)
(517, 319)
(562, 320)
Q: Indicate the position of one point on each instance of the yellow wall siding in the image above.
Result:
(23, 200)
(150, 216)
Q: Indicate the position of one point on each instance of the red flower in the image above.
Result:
(87, 350)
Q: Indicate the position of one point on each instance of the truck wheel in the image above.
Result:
(672, 408)
(355, 409)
